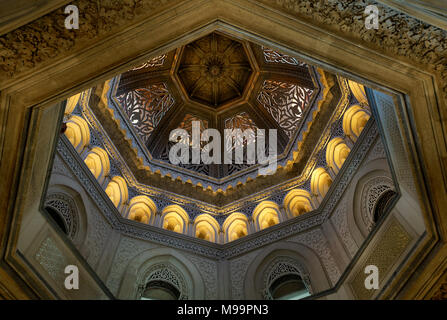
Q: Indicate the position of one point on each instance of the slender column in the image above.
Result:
(190, 231)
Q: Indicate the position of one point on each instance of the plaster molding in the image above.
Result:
(154, 234)
(27, 47)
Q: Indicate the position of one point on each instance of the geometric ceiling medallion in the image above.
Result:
(214, 70)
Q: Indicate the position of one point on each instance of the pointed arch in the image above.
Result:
(140, 266)
(175, 218)
(235, 226)
(98, 162)
(255, 276)
(118, 192)
(297, 202)
(266, 214)
(354, 120)
(78, 133)
(206, 227)
(141, 209)
(336, 153)
(320, 183)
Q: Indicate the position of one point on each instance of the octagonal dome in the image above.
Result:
(222, 83)
(214, 70)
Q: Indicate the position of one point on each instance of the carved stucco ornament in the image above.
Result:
(398, 35)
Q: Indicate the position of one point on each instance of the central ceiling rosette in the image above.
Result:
(214, 70)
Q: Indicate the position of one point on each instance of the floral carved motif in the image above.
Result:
(145, 107)
(47, 38)
(398, 34)
(67, 209)
(285, 102)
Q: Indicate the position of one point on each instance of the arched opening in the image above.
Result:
(320, 183)
(78, 133)
(206, 228)
(297, 202)
(117, 191)
(382, 204)
(336, 153)
(58, 219)
(71, 103)
(141, 209)
(98, 162)
(358, 91)
(266, 214)
(160, 290)
(235, 226)
(173, 222)
(354, 120)
(166, 279)
(175, 219)
(288, 287)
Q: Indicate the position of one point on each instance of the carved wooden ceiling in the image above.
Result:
(224, 83)
(214, 70)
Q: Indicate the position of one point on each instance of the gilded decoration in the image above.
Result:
(214, 70)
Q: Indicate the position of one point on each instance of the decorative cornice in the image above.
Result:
(398, 35)
(46, 38)
(251, 242)
(277, 191)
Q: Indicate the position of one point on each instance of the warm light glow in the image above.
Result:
(358, 91)
(98, 162)
(297, 202)
(235, 226)
(175, 219)
(71, 103)
(78, 133)
(117, 191)
(320, 183)
(354, 120)
(206, 228)
(266, 214)
(336, 153)
(141, 209)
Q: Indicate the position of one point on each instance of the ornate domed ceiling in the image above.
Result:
(222, 83)
(214, 71)
(122, 130)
